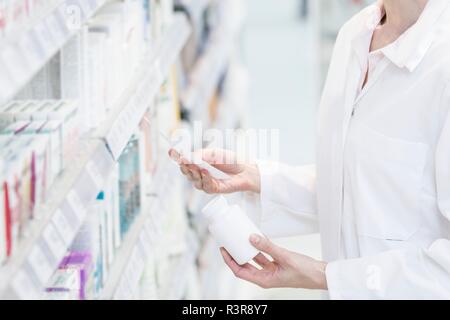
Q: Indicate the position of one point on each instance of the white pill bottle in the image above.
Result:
(231, 228)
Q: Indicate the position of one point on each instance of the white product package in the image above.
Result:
(231, 228)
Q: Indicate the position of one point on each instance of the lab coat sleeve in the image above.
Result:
(287, 200)
(402, 274)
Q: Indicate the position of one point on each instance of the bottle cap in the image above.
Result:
(215, 207)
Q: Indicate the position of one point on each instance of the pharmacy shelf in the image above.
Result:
(209, 68)
(138, 243)
(27, 273)
(182, 270)
(129, 261)
(131, 107)
(196, 7)
(207, 72)
(182, 276)
(25, 53)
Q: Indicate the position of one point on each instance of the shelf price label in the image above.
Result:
(133, 269)
(120, 133)
(123, 291)
(57, 30)
(130, 273)
(89, 5)
(24, 287)
(158, 71)
(137, 263)
(76, 205)
(13, 61)
(31, 49)
(145, 242)
(94, 173)
(54, 241)
(5, 83)
(63, 226)
(128, 116)
(150, 230)
(40, 264)
(46, 37)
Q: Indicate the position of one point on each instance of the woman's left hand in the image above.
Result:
(287, 270)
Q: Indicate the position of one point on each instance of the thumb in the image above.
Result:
(265, 245)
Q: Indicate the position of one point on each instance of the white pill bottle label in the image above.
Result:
(231, 228)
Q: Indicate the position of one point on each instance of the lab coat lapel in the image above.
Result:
(373, 79)
(331, 222)
(354, 76)
(351, 90)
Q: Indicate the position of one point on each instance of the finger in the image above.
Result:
(184, 170)
(184, 161)
(208, 184)
(246, 272)
(263, 261)
(265, 245)
(188, 173)
(195, 172)
(198, 184)
(174, 155)
(230, 261)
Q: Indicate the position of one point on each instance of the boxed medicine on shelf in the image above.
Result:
(90, 207)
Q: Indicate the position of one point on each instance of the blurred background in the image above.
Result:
(89, 93)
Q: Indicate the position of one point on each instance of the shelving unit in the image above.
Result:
(137, 244)
(23, 55)
(207, 72)
(196, 7)
(128, 112)
(181, 274)
(160, 228)
(128, 265)
(208, 69)
(26, 275)
(211, 65)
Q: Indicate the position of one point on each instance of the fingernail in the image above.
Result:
(254, 238)
(174, 158)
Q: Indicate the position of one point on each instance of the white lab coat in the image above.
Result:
(397, 165)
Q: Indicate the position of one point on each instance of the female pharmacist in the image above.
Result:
(380, 190)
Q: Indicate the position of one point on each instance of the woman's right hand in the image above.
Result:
(244, 177)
